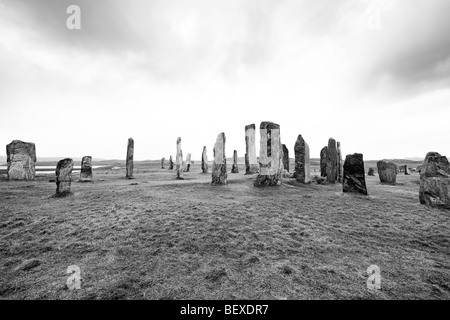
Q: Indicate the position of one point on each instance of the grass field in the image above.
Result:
(155, 237)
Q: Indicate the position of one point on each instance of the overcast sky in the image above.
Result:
(373, 74)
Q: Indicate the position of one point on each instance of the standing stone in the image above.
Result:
(387, 171)
(269, 155)
(188, 162)
(63, 177)
(251, 162)
(179, 160)
(302, 161)
(323, 161)
(406, 170)
(163, 161)
(354, 177)
(86, 169)
(434, 188)
(285, 158)
(170, 163)
(219, 170)
(332, 161)
(204, 161)
(130, 156)
(371, 172)
(21, 158)
(234, 168)
(340, 168)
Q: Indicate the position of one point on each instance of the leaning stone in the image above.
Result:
(302, 161)
(285, 158)
(234, 168)
(332, 161)
(219, 171)
(86, 169)
(251, 162)
(21, 158)
(204, 161)
(387, 171)
(163, 162)
(269, 156)
(323, 161)
(130, 156)
(64, 177)
(354, 177)
(434, 188)
(371, 172)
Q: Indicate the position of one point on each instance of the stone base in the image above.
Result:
(252, 169)
(234, 169)
(219, 174)
(267, 181)
(435, 192)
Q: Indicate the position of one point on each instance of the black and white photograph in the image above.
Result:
(208, 151)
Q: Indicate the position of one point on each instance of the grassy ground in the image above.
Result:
(155, 237)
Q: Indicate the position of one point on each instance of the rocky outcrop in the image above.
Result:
(251, 162)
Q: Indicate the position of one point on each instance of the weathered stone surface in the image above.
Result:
(285, 158)
(188, 163)
(323, 161)
(387, 171)
(340, 168)
(21, 158)
(163, 162)
(204, 161)
(302, 161)
(354, 177)
(170, 163)
(332, 161)
(219, 170)
(434, 188)
(371, 172)
(86, 169)
(130, 157)
(234, 168)
(270, 163)
(64, 177)
(179, 160)
(251, 162)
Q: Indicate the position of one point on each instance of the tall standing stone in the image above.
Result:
(285, 158)
(354, 177)
(332, 161)
(251, 162)
(269, 155)
(86, 169)
(323, 161)
(170, 163)
(130, 157)
(234, 168)
(434, 188)
(204, 161)
(163, 162)
(63, 177)
(387, 171)
(302, 160)
(21, 158)
(179, 160)
(188, 162)
(340, 168)
(219, 170)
